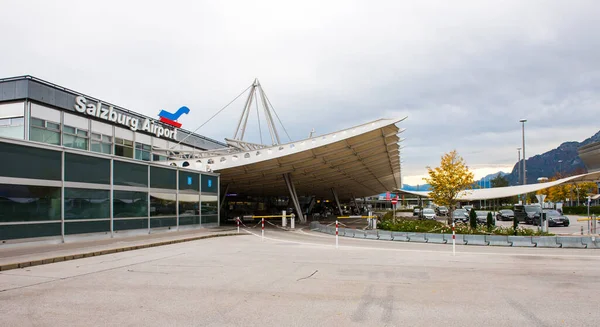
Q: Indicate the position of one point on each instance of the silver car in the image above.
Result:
(428, 213)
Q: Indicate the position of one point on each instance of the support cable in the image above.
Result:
(213, 116)
(276, 115)
(258, 119)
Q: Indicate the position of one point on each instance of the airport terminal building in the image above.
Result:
(73, 164)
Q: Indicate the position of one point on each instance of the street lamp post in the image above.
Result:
(522, 121)
(560, 168)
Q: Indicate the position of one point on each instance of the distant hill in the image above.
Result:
(423, 187)
(547, 165)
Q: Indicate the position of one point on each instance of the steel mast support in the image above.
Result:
(337, 200)
(294, 196)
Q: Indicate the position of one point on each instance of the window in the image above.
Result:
(29, 162)
(188, 181)
(189, 209)
(123, 148)
(86, 204)
(162, 204)
(209, 205)
(159, 157)
(86, 169)
(44, 131)
(82, 227)
(29, 203)
(210, 184)
(163, 178)
(130, 204)
(142, 151)
(75, 138)
(12, 127)
(101, 143)
(130, 174)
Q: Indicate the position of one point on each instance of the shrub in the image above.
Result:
(473, 219)
(431, 226)
(581, 210)
(490, 221)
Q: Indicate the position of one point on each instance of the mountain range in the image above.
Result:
(563, 160)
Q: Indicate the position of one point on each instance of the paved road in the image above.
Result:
(300, 279)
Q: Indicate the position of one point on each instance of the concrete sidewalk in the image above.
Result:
(21, 255)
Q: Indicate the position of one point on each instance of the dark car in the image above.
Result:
(460, 216)
(481, 216)
(441, 211)
(554, 218)
(417, 212)
(505, 214)
(526, 213)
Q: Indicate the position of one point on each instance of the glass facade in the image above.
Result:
(86, 169)
(130, 204)
(86, 203)
(75, 138)
(35, 202)
(29, 162)
(29, 203)
(44, 131)
(130, 174)
(163, 178)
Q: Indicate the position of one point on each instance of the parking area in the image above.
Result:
(300, 279)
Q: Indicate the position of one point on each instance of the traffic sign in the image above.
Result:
(395, 200)
(540, 197)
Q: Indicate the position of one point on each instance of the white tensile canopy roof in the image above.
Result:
(358, 161)
(504, 192)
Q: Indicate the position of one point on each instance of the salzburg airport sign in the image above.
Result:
(82, 105)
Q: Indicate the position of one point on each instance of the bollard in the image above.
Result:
(292, 221)
(238, 224)
(283, 219)
(262, 238)
(336, 234)
(453, 240)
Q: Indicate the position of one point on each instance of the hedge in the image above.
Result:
(581, 210)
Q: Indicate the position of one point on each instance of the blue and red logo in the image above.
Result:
(171, 118)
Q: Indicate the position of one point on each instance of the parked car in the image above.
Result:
(416, 212)
(441, 211)
(428, 213)
(554, 218)
(460, 216)
(505, 214)
(526, 213)
(481, 216)
(468, 208)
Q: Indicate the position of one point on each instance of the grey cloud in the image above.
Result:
(463, 73)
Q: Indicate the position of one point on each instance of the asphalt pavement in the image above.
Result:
(300, 279)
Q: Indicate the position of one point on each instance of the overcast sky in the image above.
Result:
(464, 72)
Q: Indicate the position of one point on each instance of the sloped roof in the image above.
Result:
(358, 161)
(504, 192)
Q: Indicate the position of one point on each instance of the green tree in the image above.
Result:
(473, 219)
(499, 181)
(448, 180)
(490, 221)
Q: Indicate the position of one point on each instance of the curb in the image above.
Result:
(25, 264)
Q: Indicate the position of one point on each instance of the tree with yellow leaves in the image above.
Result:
(448, 180)
(566, 191)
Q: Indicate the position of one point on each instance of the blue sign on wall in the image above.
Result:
(189, 180)
(209, 184)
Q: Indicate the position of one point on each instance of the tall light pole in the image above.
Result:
(519, 166)
(560, 168)
(522, 121)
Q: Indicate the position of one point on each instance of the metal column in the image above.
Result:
(337, 200)
(294, 196)
(224, 196)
